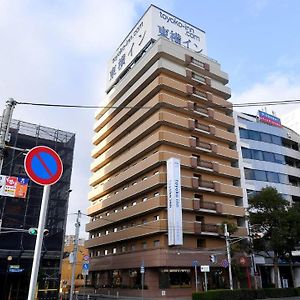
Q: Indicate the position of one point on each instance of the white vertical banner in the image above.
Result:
(175, 235)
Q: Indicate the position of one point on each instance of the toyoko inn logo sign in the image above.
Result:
(175, 235)
(154, 24)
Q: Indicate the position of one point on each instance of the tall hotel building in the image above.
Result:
(165, 170)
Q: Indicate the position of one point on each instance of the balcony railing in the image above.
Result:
(201, 110)
(208, 205)
(202, 127)
(205, 164)
(210, 228)
(203, 145)
(206, 184)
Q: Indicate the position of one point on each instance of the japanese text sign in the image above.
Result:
(154, 24)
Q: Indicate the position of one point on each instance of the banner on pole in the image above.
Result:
(11, 186)
(175, 234)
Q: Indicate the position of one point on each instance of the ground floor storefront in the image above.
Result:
(161, 282)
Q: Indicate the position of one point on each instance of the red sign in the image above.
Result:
(243, 260)
(43, 165)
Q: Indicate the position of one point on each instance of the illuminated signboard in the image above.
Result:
(269, 119)
(154, 24)
(11, 186)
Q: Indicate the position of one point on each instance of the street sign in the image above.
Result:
(195, 263)
(224, 263)
(43, 165)
(86, 257)
(15, 270)
(204, 268)
(243, 260)
(142, 269)
(85, 269)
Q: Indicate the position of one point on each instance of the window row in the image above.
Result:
(145, 177)
(124, 226)
(125, 248)
(260, 136)
(123, 207)
(123, 170)
(263, 155)
(260, 175)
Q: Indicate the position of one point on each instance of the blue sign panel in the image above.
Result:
(85, 266)
(269, 119)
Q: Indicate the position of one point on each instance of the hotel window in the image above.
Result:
(144, 245)
(134, 203)
(201, 243)
(107, 214)
(114, 250)
(125, 207)
(115, 211)
(144, 178)
(156, 172)
(132, 247)
(123, 248)
(145, 199)
(156, 243)
(105, 252)
(106, 232)
(156, 218)
(156, 194)
(115, 229)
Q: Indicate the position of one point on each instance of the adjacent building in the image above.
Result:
(20, 214)
(269, 156)
(66, 270)
(165, 164)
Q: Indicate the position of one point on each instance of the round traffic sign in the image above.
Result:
(224, 263)
(86, 257)
(43, 165)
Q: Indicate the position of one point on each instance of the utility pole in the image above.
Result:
(75, 250)
(5, 124)
(226, 233)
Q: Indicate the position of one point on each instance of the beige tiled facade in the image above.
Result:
(171, 103)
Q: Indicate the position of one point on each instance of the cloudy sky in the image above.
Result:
(56, 52)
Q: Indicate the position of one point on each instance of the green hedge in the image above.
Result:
(246, 294)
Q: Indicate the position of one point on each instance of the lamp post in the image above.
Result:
(226, 233)
(8, 260)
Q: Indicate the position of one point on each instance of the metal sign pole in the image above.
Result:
(196, 278)
(205, 281)
(38, 243)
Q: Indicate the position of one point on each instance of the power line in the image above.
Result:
(245, 104)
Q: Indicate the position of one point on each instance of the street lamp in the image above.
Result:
(8, 260)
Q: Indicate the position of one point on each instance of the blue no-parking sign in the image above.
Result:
(43, 165)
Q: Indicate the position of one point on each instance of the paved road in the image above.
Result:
(99, 297)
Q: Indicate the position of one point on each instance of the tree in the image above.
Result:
(276, 223)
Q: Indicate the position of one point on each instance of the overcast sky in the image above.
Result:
(56, 52)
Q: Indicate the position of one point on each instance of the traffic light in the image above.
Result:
(34, 231)
(213, 258)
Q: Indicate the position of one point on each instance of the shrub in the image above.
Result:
(246, 294)
(243, 294)
(278, 293)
